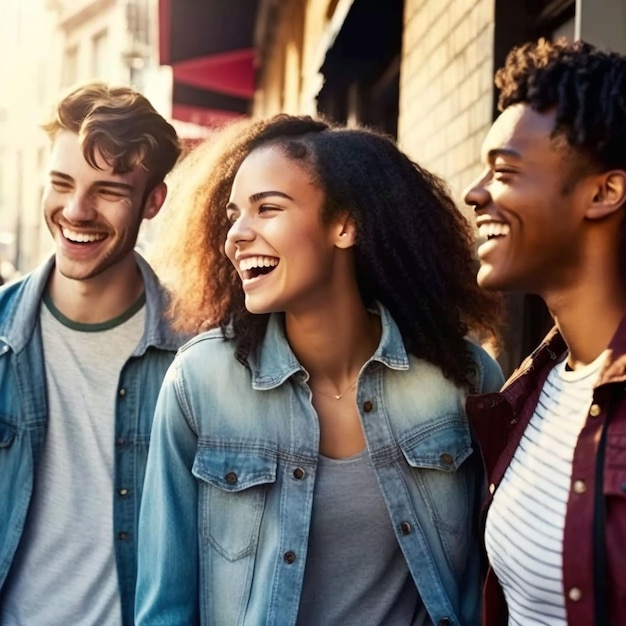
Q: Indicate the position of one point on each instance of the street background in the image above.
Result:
(420, 70)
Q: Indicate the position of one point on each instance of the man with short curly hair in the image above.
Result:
(550, 209)
(84, 347)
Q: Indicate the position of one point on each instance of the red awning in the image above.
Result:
(209, 45)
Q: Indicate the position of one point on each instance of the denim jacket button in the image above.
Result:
(298, 473)
(123, 492)
(122, 392)
(405, 528)
(446, 459)
(289, 557)
(231, 478)
(368, 405)
(122, 536)
(444, 621)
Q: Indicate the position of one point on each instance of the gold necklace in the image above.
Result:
(336, 396)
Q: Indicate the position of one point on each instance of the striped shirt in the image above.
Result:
(525, 523)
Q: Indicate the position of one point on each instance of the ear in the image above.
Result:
(609, 196)
(154, 201)
(345, 233)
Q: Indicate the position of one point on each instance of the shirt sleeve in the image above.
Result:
(167, 577)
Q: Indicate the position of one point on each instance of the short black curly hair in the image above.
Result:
(585, 85)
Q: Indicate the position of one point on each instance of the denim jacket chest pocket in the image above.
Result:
(233, 486)
(436, 461)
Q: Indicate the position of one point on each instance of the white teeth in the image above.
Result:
(77, 237)
(493, 229)
(257, 261)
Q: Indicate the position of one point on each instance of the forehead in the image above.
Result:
(67, 157)
(521, 129)
(270, 166)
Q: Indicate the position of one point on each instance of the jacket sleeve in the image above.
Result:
(167, 577)
(485, 373)
(493, 378)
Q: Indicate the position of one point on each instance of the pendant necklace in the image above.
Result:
(336, 396)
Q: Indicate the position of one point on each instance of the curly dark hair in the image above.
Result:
(413, 251)
(586, 87)
(121, 124)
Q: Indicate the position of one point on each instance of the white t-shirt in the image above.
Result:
(65, 571)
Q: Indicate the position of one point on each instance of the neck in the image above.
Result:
(334, 343)
(588, 317)
(98, 299)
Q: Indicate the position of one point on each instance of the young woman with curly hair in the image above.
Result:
(311, 461)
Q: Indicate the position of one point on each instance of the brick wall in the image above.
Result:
(288, 73)
(446, 78)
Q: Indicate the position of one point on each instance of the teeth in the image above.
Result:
(257, 261)
(73, 235)
(493, 229)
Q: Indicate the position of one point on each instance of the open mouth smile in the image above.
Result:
(77, 237)
(493, 230)
(255, 266)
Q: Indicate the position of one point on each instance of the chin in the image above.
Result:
(488, 278)
(258, 308)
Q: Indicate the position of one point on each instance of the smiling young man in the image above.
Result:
(550, 205)
(83, 350)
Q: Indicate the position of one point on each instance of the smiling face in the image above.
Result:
(93, 214)
(284, 253)
(530, 209)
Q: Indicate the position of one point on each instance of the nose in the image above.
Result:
(476, 194)
(79, 208)
(240, 231)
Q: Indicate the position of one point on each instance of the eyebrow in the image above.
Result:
(256, 197)
(102, 183)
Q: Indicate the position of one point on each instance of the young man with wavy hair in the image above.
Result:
(550, 206)
(83, 350)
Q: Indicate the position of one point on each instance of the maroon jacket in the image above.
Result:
(594, 551)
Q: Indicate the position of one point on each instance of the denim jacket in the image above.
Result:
(224, 522)
(23, 417)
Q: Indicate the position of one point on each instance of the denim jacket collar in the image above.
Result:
(20, 321)
(274, 361)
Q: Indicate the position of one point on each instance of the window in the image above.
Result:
(99, 54)
(69, 71)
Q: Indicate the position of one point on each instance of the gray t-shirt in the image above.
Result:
(355, 571)
(64, 571)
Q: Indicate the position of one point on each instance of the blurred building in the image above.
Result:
(421, 70)
(25, 46)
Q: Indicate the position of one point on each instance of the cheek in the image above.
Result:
(49, 198)
(229, 251)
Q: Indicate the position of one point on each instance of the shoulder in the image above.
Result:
(211, 353)
(207, 340)
(26, 288)
(485, 372)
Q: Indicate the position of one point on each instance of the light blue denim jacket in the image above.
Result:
(224, 522)
(23, 417)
